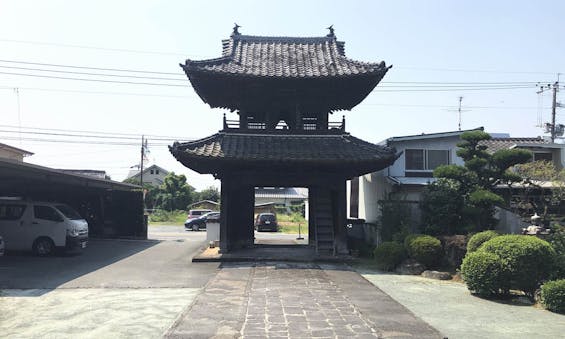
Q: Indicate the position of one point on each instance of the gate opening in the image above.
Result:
(280, 216)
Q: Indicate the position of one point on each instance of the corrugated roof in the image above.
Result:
(279, 193)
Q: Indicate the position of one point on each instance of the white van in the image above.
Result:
(41, 227)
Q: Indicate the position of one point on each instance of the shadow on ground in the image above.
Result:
(25, 271)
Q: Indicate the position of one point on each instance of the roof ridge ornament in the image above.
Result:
(331, 34)
(235, 29)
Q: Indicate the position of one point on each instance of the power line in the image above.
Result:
(91, 68)
(89, 73)
(469, 70)
(95, 80)
(99, 92)
(152, 136)
(91, 47)
(445, 88)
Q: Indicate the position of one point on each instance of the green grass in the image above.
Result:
(292, 227)
(168, 218)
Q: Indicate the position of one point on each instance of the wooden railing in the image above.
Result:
(309, 125)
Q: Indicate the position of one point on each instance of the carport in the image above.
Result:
(112, 209)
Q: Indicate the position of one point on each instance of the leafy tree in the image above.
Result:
(211, 193)
(477, 180)
(538, 173)
(175, 193)
(442, 207)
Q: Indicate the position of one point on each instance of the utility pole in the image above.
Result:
(552, 127)
(553, 107)
(142, 156)
(459, 110)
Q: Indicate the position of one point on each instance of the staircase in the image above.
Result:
(325, 243)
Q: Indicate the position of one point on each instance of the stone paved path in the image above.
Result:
(290, 300)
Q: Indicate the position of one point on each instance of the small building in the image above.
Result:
(404, 180)
(205, 205)
(112, 209)
(14, 153)
(282, 197)
(153, 175)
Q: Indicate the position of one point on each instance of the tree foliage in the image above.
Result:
(210, 193)
(174, 194)
(469, 198)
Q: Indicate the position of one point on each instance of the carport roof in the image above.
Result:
(14, 172)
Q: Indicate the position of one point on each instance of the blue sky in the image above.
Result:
(426, 41)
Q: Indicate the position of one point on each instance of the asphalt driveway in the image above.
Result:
(118, 287)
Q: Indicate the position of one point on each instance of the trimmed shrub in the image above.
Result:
(388, 255)
(425, 249)
(483, 273)
(528, 260)
(408, 239)
(478, 239)
(553, 295)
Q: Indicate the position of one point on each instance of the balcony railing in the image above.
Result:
(309, 125)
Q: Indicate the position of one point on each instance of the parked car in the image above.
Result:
(1, 246)
(199, 223)
(266, 222)
(192, 214)
(41, 227)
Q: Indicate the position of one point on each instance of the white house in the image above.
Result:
(153, 175)
(14, 153)
(420, 155)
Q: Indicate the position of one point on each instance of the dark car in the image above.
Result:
(266, 222)
(199, 223)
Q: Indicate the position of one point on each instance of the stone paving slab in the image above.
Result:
(295, 300)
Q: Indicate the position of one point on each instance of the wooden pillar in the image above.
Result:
(340, 205)
(236, 218)
(224, 212)
(243, 119)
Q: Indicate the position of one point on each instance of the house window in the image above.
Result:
(423, 160)
(151, 171)
(156, 171)
(543, 157)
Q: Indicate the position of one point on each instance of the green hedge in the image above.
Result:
(528, 260)
(388, 255)
(484, 274)
(478, 239)
(553, 295)
(425, 249)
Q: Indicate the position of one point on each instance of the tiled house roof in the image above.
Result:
(329, 151)
(285, 57)
(496, 144)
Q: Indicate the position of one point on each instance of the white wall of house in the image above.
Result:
(153, 175)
